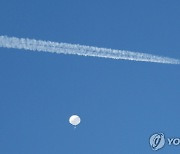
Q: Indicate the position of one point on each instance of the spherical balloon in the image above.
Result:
(74, 120)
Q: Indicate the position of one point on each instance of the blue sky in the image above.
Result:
(121, 103)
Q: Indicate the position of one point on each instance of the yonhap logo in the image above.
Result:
(157, 141)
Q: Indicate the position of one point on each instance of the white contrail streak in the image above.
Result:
(76, 49)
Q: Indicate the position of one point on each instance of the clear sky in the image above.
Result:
(121, 103)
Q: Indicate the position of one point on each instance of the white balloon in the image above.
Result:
(74, 120)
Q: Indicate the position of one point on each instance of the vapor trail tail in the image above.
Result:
(76, 49)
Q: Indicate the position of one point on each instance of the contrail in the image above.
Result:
(76, 49)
